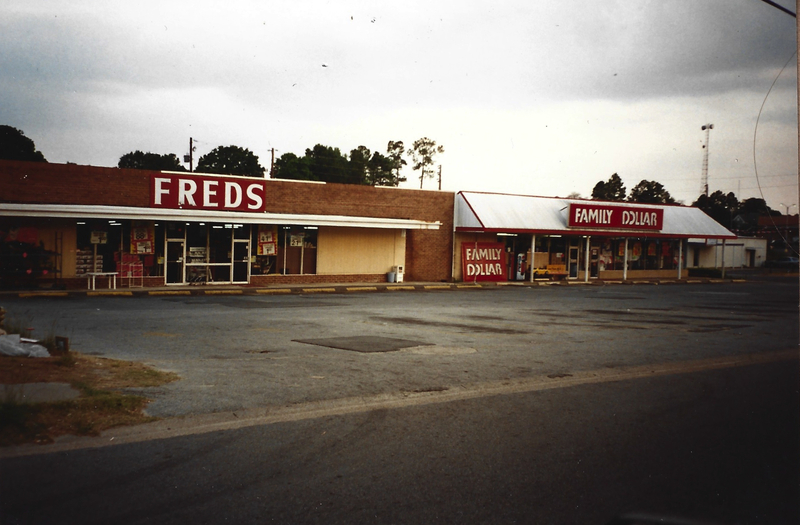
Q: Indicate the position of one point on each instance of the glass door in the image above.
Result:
(573, 262)
(175, 241)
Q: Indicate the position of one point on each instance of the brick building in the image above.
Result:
(63, 223)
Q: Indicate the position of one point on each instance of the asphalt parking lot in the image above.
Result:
(245, 352)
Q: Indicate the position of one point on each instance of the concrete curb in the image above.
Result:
(339, 288)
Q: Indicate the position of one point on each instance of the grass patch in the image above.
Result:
(100, 406)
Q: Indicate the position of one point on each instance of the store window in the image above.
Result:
(285, 250)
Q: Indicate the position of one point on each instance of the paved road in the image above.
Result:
(545, 405)
(238, 353)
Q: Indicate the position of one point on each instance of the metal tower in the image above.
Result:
(704, 182)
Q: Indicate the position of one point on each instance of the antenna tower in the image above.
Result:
(704, 182)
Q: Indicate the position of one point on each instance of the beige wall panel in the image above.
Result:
(342, 251)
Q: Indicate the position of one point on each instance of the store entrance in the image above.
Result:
(206, 254)
(573, 260)
(175, 241)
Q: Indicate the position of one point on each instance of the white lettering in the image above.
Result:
(208, 193)
(257, 202)
(232, 188)
(186, 191)
(160, 190)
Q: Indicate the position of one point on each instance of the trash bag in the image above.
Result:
(12, 345)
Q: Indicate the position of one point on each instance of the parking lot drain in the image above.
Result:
(363, 344)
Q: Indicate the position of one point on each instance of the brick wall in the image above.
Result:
(428, 252)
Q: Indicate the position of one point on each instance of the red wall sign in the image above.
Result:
(207, 192)
(615, 217)
(484, 261)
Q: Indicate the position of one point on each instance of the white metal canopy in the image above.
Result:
(497, 212)
(66, 211)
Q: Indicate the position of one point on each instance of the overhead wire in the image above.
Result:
(755, 165)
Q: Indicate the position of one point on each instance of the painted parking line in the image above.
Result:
(222, 292)
(319, 290)
(392, 288)
(43, 294)
(274, 290)
(102, 294)
(437, 286)
(362, 289)
(169, 292)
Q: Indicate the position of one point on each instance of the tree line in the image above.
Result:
(725, 208)
(320, 163)
(362, 166)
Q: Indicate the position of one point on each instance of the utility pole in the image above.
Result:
(272, 163)
(440, 177)
(704, 181)
(190, 157)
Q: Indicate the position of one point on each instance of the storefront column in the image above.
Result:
(533, 254)
(680, 257)
(625, 262)
(586, 260)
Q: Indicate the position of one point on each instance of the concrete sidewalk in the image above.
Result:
(339, 288)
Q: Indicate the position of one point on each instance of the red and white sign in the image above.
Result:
(612, 217)
(484, 261)
(207, 192)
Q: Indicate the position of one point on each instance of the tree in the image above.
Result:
(14, 145)
(291, 167)
(150, 161)
(230, 160)
(759, 206)
(327, 164)
(422, 153)
(395, 152)
(612, 190)
(650, 192)
(719, 206)
(359, 165)
(380, 170)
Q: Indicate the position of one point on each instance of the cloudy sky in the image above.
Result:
(527, 96)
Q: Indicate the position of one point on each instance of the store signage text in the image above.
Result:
(207, 193)
(484, 261)
(615, 217)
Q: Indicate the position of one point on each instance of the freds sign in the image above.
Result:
(207, 192)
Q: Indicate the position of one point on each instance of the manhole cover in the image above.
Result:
(365, 344)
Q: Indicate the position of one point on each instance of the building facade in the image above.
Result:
(63, 223)
(68, 226)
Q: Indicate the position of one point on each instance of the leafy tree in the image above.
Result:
(422, 153)
(759, 206)
(327, 164)
(750, 210)
(381, 171)
(650, 192)
(359, 165)
(395, 152)
(230, 160)
(290, 166)
(14, 145)
(719, 206)
(612, 190)
(150, 161)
